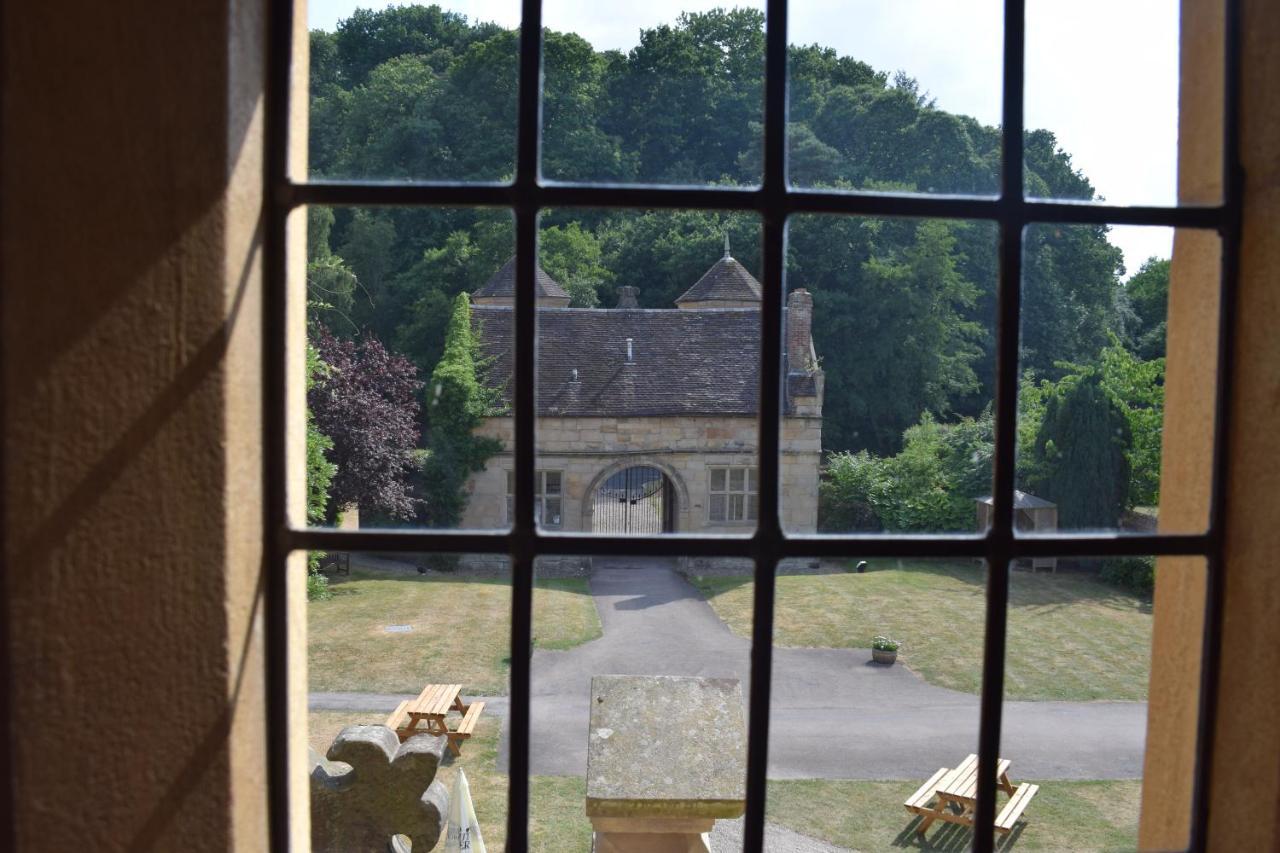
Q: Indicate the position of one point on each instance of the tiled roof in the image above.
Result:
(727, 281)
(683, 362)
(503, 283)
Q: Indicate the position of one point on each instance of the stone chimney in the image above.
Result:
(627, 297)
(799, 331)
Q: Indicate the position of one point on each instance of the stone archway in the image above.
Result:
(636, 497)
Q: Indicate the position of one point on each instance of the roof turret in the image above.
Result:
(726, 285)
(501, 288)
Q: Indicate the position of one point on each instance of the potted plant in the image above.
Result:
(884, 650)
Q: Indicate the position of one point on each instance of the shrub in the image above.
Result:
(1135, 574)
(318, 587)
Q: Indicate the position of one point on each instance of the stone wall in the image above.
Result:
(588, 450)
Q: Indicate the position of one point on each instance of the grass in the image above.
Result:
(1078, 816)
(461, 631)
(869, 816)
(1070, 637)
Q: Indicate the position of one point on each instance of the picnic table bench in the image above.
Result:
(952, 796)
(430, 710)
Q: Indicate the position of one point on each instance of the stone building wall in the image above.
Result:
(588, 450)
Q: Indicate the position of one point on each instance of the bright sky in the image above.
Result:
(1101, 74)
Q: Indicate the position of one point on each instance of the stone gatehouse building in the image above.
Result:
(646, 419)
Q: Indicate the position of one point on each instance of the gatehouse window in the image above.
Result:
(733, 494)
(548, 502)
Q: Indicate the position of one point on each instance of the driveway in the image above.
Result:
(834, 715)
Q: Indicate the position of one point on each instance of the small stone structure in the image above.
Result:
(372, 788)
(666, 758)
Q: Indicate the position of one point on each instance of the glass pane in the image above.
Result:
(553, 483)
(889, 339)
(901, 96)
(552, 516)
(1103, 121)
(412, 92)
(1081, 663)
(1111, 329)
(377, 634)
(717, 508)
(634, 678)
(511, 482)
(841, 766)
(736, 479)
(648, 365)
(653, 94)
(394, 416)
(752, 503)
(737, 507)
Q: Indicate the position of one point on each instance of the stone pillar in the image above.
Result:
(799, 330)
(666, 757)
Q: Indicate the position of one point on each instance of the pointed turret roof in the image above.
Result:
(503, 284)
(726, 282)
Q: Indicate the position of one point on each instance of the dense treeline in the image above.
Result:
(903, 309)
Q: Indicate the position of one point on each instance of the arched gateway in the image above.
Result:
(640, 499)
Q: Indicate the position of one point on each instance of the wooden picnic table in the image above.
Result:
(952, 796)
(430, 710)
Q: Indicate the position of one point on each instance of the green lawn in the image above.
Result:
(461, 631)
(1077, 816)
(1070, 636)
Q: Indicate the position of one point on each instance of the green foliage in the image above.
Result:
(904, 311)
(1135, 386)
(882, 643)
(458, 401)
(930, 486)
(1134, 574)
(320, 470)
(1080, 456)
(1147, 293)
(318, 586)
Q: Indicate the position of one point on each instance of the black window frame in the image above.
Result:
(773, 201)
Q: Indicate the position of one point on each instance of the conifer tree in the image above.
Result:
(458, 402)
(1080, 459)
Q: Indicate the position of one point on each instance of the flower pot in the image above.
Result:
(882, 656)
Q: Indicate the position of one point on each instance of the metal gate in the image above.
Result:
(638, 500)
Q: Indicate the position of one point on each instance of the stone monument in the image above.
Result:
(666, 757)
(374, 793)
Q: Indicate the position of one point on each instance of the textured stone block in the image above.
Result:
(371, 787)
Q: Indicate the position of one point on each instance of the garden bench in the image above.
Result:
(430, 709)
(951, 796)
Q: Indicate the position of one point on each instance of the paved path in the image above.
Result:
(834, 715)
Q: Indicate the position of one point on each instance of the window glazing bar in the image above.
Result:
(769, 537)
(523, 539)
(1001, 536)
(746, 199)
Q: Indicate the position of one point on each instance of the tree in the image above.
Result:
(366, 402)
(1147, 294)
(928, 487)
(459, 402)
(1080, 456)
(320, 473)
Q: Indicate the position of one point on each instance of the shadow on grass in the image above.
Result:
(950, 837)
